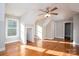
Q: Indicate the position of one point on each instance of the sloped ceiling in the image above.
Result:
(21, 9)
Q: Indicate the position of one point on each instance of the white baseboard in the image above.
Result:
(76, 43)
(60, 37)
(12, 41)
(49, 38)
(2, 49)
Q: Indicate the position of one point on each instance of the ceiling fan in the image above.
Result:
(48, 11)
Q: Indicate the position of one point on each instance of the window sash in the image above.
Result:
(12, 27)
(11, 32)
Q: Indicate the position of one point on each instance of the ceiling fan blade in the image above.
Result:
(54, 13)
(42, 10)
(54, 9)
(40, 14)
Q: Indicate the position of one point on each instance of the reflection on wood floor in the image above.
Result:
(42, 48)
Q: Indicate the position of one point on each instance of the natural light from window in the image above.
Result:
(39, 31)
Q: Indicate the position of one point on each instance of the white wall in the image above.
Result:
(2, 26)
(50, 30)
(76, 29)
(59, 28)
(30, 17)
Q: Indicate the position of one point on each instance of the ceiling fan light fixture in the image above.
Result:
(47, 15)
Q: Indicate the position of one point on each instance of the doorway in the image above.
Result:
(68, 32)
(29, 34)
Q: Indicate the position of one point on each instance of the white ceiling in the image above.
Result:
(20, 9)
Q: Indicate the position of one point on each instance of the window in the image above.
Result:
(39, 31)
(11, 27)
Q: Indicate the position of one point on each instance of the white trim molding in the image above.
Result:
(76, 43)
(12, 41)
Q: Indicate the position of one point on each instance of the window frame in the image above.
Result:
(14, 19)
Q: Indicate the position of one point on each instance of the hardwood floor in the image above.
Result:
(41, 48)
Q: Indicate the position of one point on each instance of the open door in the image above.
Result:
(68, 32)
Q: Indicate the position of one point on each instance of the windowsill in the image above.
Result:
(11, 36)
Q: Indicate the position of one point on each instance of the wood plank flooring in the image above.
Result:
(41, 48)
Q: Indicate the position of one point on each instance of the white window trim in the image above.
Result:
(7, 27)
